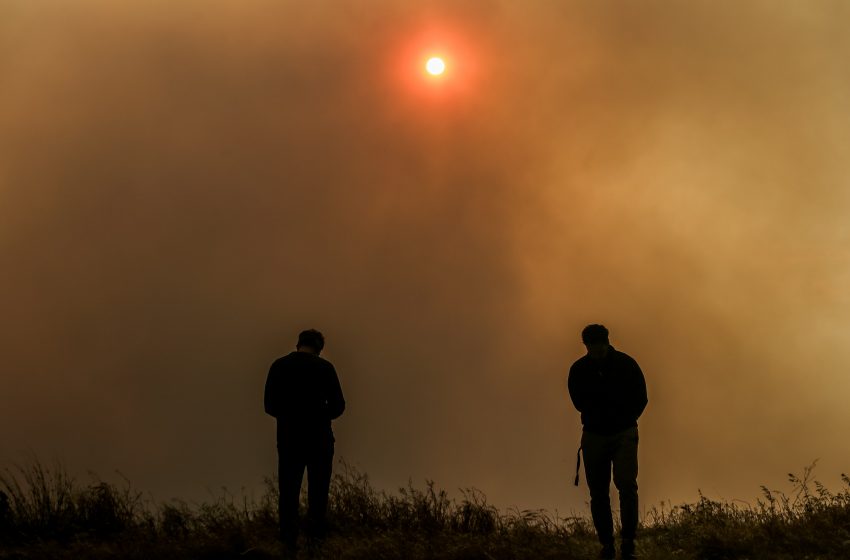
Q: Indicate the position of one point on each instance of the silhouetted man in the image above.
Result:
(609, 390)
(303, 393)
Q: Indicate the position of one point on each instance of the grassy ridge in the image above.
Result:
(45, 514)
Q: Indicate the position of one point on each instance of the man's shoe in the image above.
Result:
(289, 552)
(607, 552)
(627, 550)
(289, 543)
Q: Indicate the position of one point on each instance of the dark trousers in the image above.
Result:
(293, 457)
(601, 454)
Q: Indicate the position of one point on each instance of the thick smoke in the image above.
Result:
(184, 186)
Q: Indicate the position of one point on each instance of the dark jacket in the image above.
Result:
(303, 393)
(609, 393)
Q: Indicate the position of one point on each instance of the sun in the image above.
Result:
(435, 66)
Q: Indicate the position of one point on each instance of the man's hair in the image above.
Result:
(312, 338)
(594, 334)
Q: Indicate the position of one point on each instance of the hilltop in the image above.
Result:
(44, 513)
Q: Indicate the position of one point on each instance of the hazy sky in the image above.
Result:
(186, 185)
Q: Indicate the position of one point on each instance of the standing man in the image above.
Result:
(303, 393)
(608, 389)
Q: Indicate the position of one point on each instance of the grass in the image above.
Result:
(45, 514)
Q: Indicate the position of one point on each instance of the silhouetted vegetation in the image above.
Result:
(44, 513)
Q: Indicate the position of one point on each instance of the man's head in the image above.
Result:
(595, 339)
(310, 341)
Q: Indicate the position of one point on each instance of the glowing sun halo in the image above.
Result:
(435, 66)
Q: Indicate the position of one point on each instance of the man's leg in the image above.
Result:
(290, 471)
(625, 479)
(597, 470)
(319, 469)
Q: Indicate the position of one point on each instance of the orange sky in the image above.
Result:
(185, 185)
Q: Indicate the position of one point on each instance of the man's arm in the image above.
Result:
(270, 397)
(639, 397)
(576, 390)
(336, 402)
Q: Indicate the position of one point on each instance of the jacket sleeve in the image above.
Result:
(336, 402)
(270, 396)
(576, 389)
(639, 397)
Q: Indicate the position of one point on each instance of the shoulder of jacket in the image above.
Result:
(627, 360)
(325, 362)
(579, 365)
(622, 355)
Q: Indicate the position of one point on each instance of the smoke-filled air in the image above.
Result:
(184, 186)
